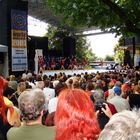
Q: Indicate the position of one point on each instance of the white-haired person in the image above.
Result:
(31, 104)
(124, 125)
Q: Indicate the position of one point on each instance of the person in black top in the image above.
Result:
(134, 99)
(8, 113)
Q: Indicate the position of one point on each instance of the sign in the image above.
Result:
(19, 40)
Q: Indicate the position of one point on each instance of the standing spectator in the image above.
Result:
(99, 101)
(8, 115)
(12, 83)
(119, 102)
(20, 88)
(31, 105)
(134, 98)
(75, 118)
(48, 92)
(122, 126)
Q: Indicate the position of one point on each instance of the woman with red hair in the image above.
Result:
(75, 118)
(8, 114)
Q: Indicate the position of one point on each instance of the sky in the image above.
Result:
(101, 45)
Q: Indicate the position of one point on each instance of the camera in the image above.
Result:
(99, 106)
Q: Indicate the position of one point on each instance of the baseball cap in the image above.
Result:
(117, 90)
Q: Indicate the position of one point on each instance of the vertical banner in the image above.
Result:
(19, 40)
(39, 62)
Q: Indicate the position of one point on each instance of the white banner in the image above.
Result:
(19, 59)
(38, 53)
(19, 40)
(136, 60)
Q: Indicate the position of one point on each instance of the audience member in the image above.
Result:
(8, 114)
(134, 98)
(119, 102)
(48, 92)
(122, 126)
(75, 118)
(99, 101)
(31, 104)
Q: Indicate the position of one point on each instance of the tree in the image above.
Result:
(83, 49)
(109, 58)
(119, 16)
(119, 53)
(56, 35)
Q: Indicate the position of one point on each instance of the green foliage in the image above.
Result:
(83, 49)
(109, 58)
(55, 36)
(119, 53)
(119, 16)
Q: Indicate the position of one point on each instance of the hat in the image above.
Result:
(117, 90)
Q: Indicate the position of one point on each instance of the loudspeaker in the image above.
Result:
(42, 43)
(127, 58)
(38, 43)
(33, 44)
(69, 44)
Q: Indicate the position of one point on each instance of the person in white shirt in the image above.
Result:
(53, 102)
(48, 92)
(119, 102)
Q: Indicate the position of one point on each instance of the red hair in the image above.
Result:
(75, 117)
(3, 107)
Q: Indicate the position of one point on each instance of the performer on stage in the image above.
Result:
(71, 65)
(75, 63)
(52, 64)
(63, 63)
(41, 63)
(48, 67)
(85, 62)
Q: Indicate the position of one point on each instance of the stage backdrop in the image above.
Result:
(19, 40)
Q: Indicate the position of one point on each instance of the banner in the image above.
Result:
(39, 61)
(19, 40)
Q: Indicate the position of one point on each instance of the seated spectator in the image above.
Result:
(31, 104)
(122, 126)
(75, 118)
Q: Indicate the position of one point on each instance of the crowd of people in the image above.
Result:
(61, 63)
(95, 106)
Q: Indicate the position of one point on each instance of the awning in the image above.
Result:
(3, 48)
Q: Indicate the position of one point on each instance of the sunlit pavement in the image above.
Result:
(71, 72)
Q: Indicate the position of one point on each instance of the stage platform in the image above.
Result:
(71, 72)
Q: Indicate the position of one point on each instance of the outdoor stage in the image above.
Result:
(71, 72)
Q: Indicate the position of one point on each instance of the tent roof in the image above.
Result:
(39, 10)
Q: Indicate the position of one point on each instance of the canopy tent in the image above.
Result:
(40, 10)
